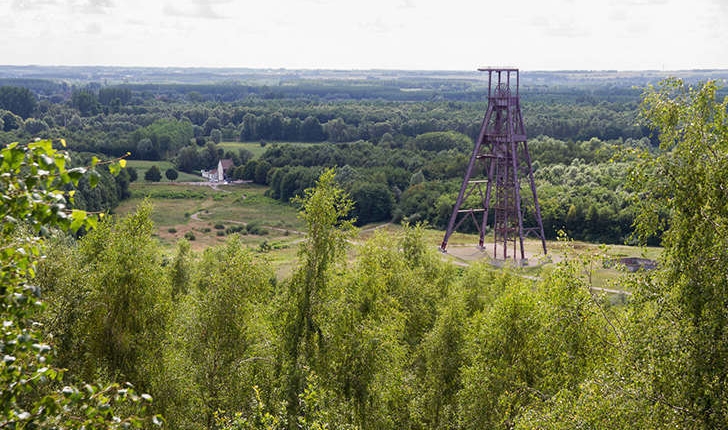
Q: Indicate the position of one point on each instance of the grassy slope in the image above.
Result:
(142, 166)
(199, 209)
(254, 147)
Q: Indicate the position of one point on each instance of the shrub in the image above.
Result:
(153, 174)
(234, 229)
(255, 228)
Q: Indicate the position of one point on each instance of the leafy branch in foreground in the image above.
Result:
(31, 206)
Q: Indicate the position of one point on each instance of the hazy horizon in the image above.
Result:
(549, 35)
(374, 69)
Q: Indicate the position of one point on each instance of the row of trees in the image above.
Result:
(585, 196)
(403, 150)
(416, 150)
(119, 111)
(384, 148)
(154, 174)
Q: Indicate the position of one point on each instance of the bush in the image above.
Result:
(219, 226)
(153, 174)
(190, 236)
(171, 174)
(35, 126)
(171, 230)
(255, 228)
(264, 247)
(234, 229)
(133, 174)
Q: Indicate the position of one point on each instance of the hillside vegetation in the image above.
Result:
(363, 329)
(400, 140)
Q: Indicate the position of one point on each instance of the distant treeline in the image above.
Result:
(401, 142)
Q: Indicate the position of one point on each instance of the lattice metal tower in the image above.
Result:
(502, 151)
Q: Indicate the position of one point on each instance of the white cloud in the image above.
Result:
(31, 5)
(93, 28)
(92, 6)
(430, 34)
(201, 9)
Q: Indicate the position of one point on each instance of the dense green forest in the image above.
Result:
(401, 140)
(377, 334)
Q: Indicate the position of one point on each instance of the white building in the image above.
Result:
(218, 174)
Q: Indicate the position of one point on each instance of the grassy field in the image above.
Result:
(255, 147)
(601, 269)
(142, 166)
(210, 212)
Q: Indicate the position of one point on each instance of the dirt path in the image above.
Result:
(375, 228)
(213, 185)
(196, 217)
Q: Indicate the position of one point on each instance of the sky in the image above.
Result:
(369, 34)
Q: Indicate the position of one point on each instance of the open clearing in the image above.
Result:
(255, 147)
(210, 212)
(206, 214)
(141, 166)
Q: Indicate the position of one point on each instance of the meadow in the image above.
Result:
(142, 166)
(206, 214)
(255, 148)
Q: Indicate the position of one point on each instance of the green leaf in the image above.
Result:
(91, 223)
(115, 168)
(93, 178)
(46, 160)
(78, 217)
(76, 174)
(60, 162)
(45, 145)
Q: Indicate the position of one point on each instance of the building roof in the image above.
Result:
(226, 164)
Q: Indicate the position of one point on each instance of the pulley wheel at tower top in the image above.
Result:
(502, 90)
